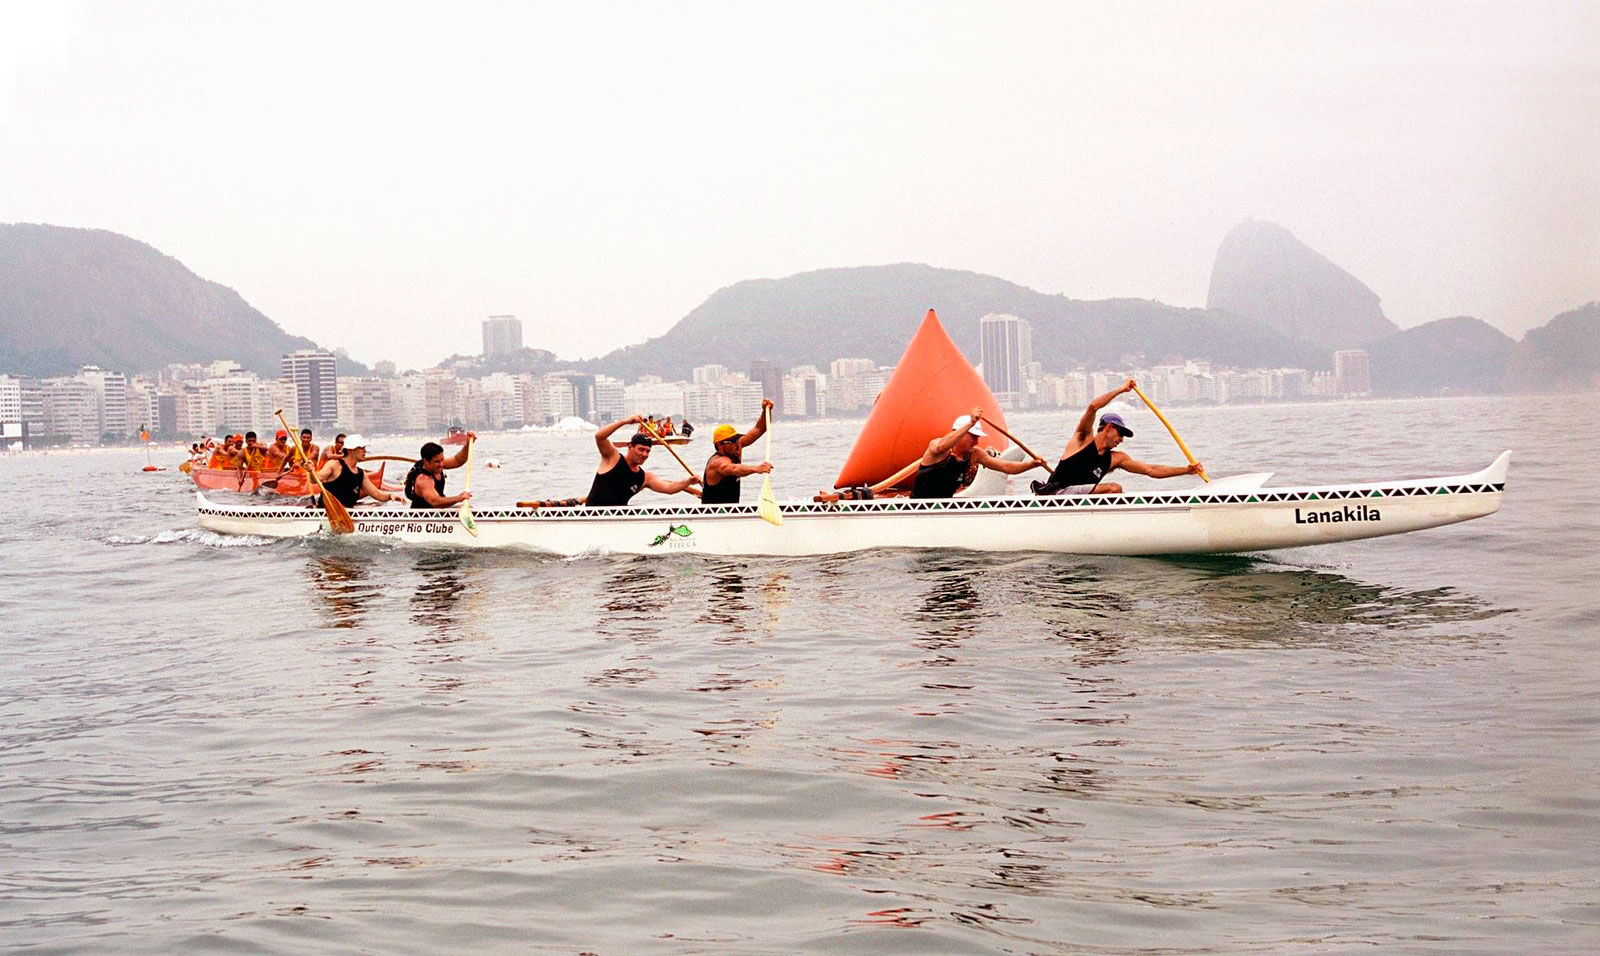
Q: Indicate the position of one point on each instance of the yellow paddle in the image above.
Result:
(466, 504)
(338, 518)
(1181, 446)
(767, 507)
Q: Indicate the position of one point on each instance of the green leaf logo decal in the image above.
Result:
(681, 530)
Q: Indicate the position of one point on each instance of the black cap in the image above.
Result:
(640, 438)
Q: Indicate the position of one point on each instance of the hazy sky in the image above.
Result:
(382, 176)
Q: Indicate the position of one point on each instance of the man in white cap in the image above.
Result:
(1091, 454)
(346, 482)
(952, 460)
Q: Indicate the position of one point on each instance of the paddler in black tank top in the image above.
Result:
(1090, 455)
(346, 482)
(726, 465)
(425, 482)
(952, 460)
(621, 476)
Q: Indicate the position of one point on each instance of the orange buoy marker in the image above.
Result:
(932, 384)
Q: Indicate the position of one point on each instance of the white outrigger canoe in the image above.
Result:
(1228, 515)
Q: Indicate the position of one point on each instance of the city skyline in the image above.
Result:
(98, 405)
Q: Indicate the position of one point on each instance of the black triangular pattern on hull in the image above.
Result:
(881, 506)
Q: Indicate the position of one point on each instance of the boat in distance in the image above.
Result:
(1228, 515)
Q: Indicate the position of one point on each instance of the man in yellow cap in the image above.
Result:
(726, 467)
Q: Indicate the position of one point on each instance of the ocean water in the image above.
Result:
(213, 744)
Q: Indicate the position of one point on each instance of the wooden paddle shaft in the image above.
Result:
(1014, 439)
(675, 454)
(674, 451)
(338, 518)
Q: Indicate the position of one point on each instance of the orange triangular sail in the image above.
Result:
(932, 384)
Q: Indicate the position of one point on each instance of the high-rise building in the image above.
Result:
(316, 384)
(709, 374)
(1006, 344)
(502, 335)
(369, 406)
(1352, 374)
(10, 399)
(441, 396)
(409, 400)
(12, 428)
(72, 409)
(111, 399)
(845, 367)
(805, 393)
(770, 377)
(610, 398)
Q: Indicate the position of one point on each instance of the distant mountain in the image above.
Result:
(1446, 356)
(71, 297)
(1263, 272)
(872, 311)
(1563, 355)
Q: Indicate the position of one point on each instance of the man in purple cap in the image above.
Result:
(1091, 455)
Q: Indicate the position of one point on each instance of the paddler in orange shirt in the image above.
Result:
(279, 455)
(225, 458)
(252, 453)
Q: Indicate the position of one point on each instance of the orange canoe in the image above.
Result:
(931, 384)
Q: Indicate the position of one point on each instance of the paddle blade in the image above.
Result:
(767, 507)
(466, 506)
(339, 521)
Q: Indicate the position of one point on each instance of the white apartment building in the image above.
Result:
(651, 396)
(610, 398)
(736, 404)
(560, 401)
(710, 375)
(72, 409)
(408, 402)
(854, 388)
(111, 398)
(441, 394)
(143, 408)
(10, 399)
(533, 400)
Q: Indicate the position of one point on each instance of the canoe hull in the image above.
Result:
(1185, 522)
